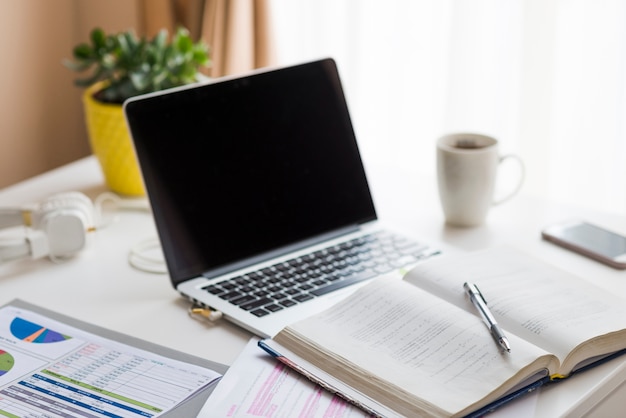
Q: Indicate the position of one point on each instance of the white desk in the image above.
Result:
(99, 286)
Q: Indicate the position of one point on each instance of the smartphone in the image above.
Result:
(589, 240)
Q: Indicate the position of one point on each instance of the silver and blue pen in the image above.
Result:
(481, 304)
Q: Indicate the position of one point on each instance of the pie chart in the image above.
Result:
(33, 333)
(6, 362)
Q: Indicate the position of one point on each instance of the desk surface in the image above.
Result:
(99, 285)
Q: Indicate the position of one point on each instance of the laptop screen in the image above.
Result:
(249, 166)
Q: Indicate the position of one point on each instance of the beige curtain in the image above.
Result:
(237, 31)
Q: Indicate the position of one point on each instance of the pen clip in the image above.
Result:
(473, 291)
(480, 294)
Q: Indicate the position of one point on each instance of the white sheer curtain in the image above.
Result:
(546, 77)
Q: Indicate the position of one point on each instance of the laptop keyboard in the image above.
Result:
(298, 280)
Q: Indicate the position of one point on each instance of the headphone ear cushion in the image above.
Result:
(65, 219)
(58, 227)
(66, 232)
(69, 200)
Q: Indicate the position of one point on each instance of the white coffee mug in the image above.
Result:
(467, 167)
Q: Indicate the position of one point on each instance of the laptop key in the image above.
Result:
(230, 295)
(303, 297)
(281, 267)
(256, 303)
(228, 286)
(260, 312)
(287, 303)
(241, 281)
(359, 277)
(215, 290)
(243, 299)
(261, 293)
(301, 279)
(273, 308)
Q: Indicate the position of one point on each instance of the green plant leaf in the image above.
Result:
(124, 47)
(140, 81)
(184, 44)
(98, 38)
(133, 65)
(201, 54)
(86, 82)
(160, 40)
(82, 51)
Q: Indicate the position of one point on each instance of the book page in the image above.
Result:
(411, 341)
(528, 297)
(48, 368)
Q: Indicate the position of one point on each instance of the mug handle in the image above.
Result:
(519, 182)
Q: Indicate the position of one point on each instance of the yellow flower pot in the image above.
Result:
(111, 143)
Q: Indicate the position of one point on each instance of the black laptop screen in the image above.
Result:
(248, 166)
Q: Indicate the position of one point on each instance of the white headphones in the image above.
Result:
(56, 227)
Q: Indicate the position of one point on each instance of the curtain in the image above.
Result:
(545, 77)
(237, 31)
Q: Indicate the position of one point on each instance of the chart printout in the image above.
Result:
(50, 369)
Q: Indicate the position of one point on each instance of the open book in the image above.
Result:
(418, 346)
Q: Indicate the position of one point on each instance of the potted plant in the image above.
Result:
(123, 65)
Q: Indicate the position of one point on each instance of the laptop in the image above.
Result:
(259, 194)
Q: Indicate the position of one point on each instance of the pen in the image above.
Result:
(481, 304)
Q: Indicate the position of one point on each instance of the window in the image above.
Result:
(545, 77)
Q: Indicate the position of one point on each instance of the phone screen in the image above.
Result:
(595, 239)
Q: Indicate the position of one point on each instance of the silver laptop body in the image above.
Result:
(257, 187)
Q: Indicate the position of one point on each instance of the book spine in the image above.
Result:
(508, 398)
